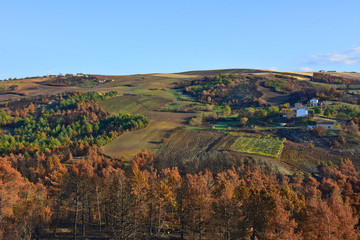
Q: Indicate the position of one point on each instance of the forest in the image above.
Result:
(99, 197)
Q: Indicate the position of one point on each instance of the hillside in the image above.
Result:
(162, 98)
(214, 154)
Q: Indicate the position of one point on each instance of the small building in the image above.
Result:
(302, 112)
(288, 112)
(325, 124)
(322, 71)
(80, 75)
(314, 102)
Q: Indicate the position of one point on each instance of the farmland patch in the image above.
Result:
(256, 144)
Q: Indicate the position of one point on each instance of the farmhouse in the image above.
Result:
(302, 112)
(298, 111)
(325, 124)
(314, 102)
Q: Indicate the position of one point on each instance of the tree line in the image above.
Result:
(100, 197)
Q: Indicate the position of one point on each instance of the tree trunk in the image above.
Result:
(76, 214)
(150, 219)
(83, 217)
(57, 217)
(98, 207)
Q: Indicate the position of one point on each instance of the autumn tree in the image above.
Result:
(353, 128)
(227, 210)
(23, 208)
(197, 202)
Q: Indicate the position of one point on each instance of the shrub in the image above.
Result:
(319, 131)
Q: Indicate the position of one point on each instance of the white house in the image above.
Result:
(302, 112)
(314, 102)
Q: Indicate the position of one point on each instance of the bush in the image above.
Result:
(196, 121)
(319, 131)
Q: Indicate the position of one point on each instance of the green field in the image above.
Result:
(256, 144)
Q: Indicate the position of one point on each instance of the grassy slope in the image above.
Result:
(131, 143)
(144, 95)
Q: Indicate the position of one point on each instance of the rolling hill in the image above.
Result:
(170, 109)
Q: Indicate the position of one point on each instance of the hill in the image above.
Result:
(163, 98)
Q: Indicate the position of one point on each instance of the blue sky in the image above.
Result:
(129, 37)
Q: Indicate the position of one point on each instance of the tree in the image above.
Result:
(197, 202)
(273, 110)
(139, 186)
(23, 211)
(120, 205)
(244, 121)
(31, 108)
(353, 128)
(80, 186)
(227, 110)
(261, 113)
(226, 213)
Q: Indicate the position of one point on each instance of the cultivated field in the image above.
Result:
(194, 150)
(256, 144)
(131, 143)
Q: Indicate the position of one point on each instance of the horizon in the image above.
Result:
(115, 38)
